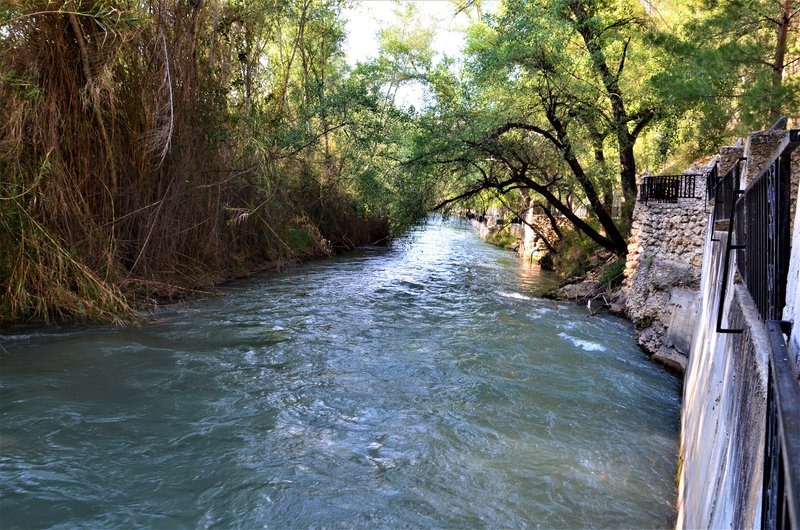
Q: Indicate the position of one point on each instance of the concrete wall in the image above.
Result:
(725, 386)
(724, 400)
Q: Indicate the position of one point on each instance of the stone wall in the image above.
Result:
(532, 247)
(668, 232)
(662, 271)
(666, 247)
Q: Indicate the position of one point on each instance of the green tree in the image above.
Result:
(730, 67)
(151, 148)
(554, 100)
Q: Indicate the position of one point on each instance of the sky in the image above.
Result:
(365, 18)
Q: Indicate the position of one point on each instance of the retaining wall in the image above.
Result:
(725, 387)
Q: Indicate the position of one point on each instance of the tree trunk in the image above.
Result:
(625, 140)
(780, 53)
(617, 241)
(616, 245)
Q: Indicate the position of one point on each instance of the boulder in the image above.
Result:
(579, 292)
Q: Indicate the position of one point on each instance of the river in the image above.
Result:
(417, 385)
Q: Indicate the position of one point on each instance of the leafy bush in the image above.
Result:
(504, 239)
(612, 275)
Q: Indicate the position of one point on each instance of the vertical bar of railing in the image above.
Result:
(783, 239)
(780, 506)
(731, 181)
(712, 179)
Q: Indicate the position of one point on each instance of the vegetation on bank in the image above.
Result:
(152, 149)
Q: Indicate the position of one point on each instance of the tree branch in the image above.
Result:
(500, 131)
(644, 118)
(622, 59)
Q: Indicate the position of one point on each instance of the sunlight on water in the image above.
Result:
(421, 385)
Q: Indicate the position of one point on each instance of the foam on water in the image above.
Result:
(583, 344)
(514, 296)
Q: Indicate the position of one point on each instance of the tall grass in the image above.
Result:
(124, 173)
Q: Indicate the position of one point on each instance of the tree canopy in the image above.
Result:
(150, 149)
(567, 101)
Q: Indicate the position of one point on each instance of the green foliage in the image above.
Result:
(721, 77)
(503, 239)
(299, 240)
(148, 148)
(574, 254)
(186, 143)
(612, 275)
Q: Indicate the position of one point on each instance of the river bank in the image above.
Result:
(80, 293)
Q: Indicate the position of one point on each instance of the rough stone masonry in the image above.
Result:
(665, 253)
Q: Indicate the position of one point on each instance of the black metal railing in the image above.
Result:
(668, 188)
(725, 192)
(712, 181)
(780, 507)
(762, 232)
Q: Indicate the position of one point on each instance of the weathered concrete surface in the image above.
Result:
(681, 326)
(651, 307)
(723, 417)
(725, 387)
(674, 352)
(792, 310)
(761, 149)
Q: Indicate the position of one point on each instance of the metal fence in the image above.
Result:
(762, 236)
(726, 191)
(668, 188)
(780, 506)
(762, 227)
(758, 231)
(712, 180)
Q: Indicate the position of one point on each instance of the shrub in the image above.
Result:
(613, 274)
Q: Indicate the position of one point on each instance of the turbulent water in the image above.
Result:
(420, 385)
